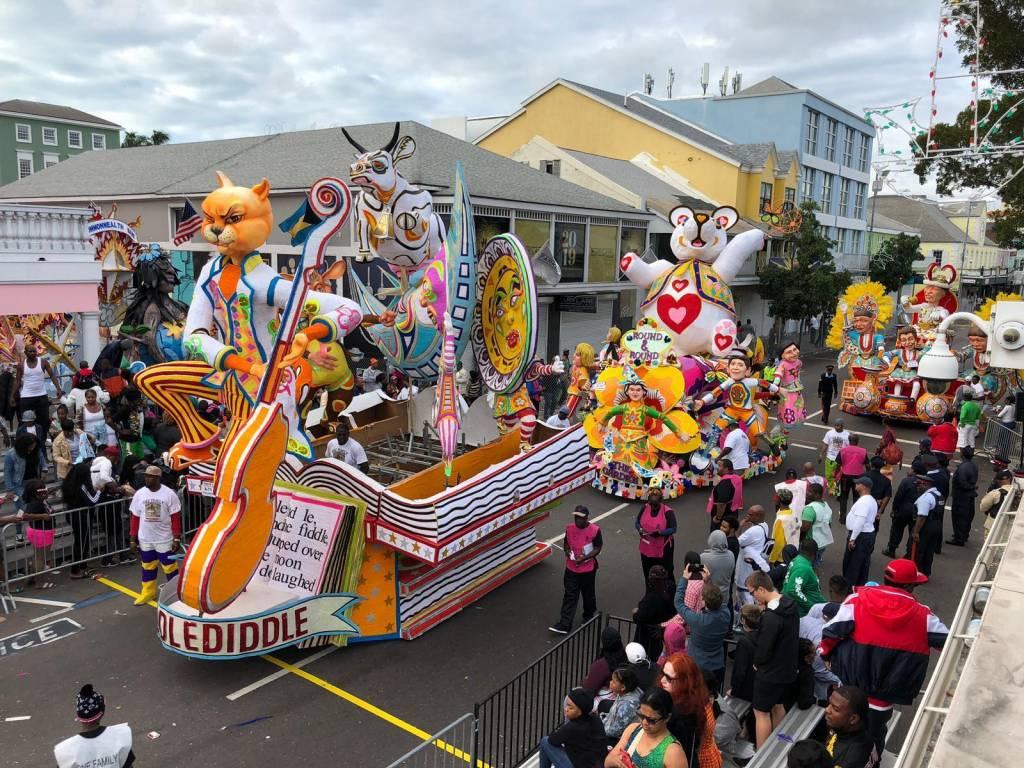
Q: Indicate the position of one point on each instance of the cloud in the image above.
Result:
(225, 68)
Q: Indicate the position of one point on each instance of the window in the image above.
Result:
(74, 139)
(99, 141)
(848, 137)
(937, 256)
(807, 193)
(534, 234)
(50, 160)
(831, 127)
(23, 133)
(570, 239)
(790, 196)
(49, 136)
(488, 227)
(858, 241)
(24, 164)
(602, 266)
(826, 193)
(554, 167)
(766, 194)
(858, 200)
(632, 239)
(844, 196)
(811, 142)
(865, 152)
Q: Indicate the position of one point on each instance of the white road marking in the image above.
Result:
(17, 719)
(280, 673)
(46, 616)
(41, 601)
(602, 516)
(862, 434)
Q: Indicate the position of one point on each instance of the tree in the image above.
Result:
(133, 139)
(893, 265)
(1003, 20)
(803, 282)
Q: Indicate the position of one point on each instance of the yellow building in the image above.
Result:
(586, 119)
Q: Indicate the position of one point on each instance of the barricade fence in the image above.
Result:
(451, 747)
(1003, 442)
(511, 721)
(84, 536)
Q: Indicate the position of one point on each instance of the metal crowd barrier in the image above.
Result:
(451, 747)
(511, 721)
(1003, 442)
(82, 536)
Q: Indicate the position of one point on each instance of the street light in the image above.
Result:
(876, 187)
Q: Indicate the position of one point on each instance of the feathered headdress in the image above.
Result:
(870, 299)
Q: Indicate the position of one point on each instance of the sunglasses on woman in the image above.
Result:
(649, 720)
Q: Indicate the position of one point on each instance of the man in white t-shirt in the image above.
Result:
(155, 530)
(345, 449)
(737, 450)
(754, 541)
(832, 443)
(860, 523)
(559, 420)
(95, 744)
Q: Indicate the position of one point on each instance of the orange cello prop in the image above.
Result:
(229, 546)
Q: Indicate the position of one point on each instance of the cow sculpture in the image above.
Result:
(396, 221)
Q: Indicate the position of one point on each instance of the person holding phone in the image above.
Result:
(648, 743)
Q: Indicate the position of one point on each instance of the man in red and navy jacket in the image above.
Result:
(879, 641)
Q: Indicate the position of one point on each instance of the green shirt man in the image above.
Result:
(970, 413)
(802, 584)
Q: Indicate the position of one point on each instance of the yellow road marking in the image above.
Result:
(341, 693)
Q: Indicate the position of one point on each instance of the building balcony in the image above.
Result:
(987, 276)
(56, 234)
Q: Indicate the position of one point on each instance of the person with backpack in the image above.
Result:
(755, 545)
(992, 501)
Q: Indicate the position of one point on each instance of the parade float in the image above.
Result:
(885, 382)
(300, 550)
(682, 377)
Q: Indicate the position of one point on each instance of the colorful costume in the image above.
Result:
(741, 406)
(579, 377)
(787, 378)
(634, 422)
(239, 305)
(934, 303)
(516, 409)
(904, 371)
(156, 524)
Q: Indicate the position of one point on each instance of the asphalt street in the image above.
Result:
(366, 704)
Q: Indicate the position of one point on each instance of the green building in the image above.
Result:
(34, 136)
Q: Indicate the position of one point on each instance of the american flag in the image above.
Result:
(190, 224)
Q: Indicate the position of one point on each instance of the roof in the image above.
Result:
(769, 85)
(54, 111)
(294, 161)
(637, 107)
(658, 195)
(924, 215)
(787, 157)
(885, 223)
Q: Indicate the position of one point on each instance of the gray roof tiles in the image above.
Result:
(294, 161)
(922, 215)
(55, 111)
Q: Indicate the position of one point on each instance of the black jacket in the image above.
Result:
(828, 386)
(778, 643)
(965, 480)
(583, 739)
(852, 750)
(742, 681)
(903, 502)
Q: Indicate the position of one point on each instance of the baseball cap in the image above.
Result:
(28, 416)
(865, 481)
(581, 511)
(154, 471)
(903, 571)
(635, 653)
(563, 411)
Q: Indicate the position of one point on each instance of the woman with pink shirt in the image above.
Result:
(852, 464)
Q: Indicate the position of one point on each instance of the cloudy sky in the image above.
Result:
(225, 68)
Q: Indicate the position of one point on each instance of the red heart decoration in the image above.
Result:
(723, 341)
(678, 312)
(625, 262)
(680, 283)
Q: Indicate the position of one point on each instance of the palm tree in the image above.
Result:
(133, 139)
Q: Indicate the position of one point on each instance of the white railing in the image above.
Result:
(928, 728)
(30, 229)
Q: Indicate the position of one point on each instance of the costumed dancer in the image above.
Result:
(903, 364)
(634, 421)
(579, 376)
(155, 530)
(228, 332)
(741, 407)
(787, 378)
(933, 303)
(516, 409)
(610, 352)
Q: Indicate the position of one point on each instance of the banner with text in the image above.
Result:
(235, 638)
(111, 225)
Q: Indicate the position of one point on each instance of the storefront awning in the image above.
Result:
(36, 298)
